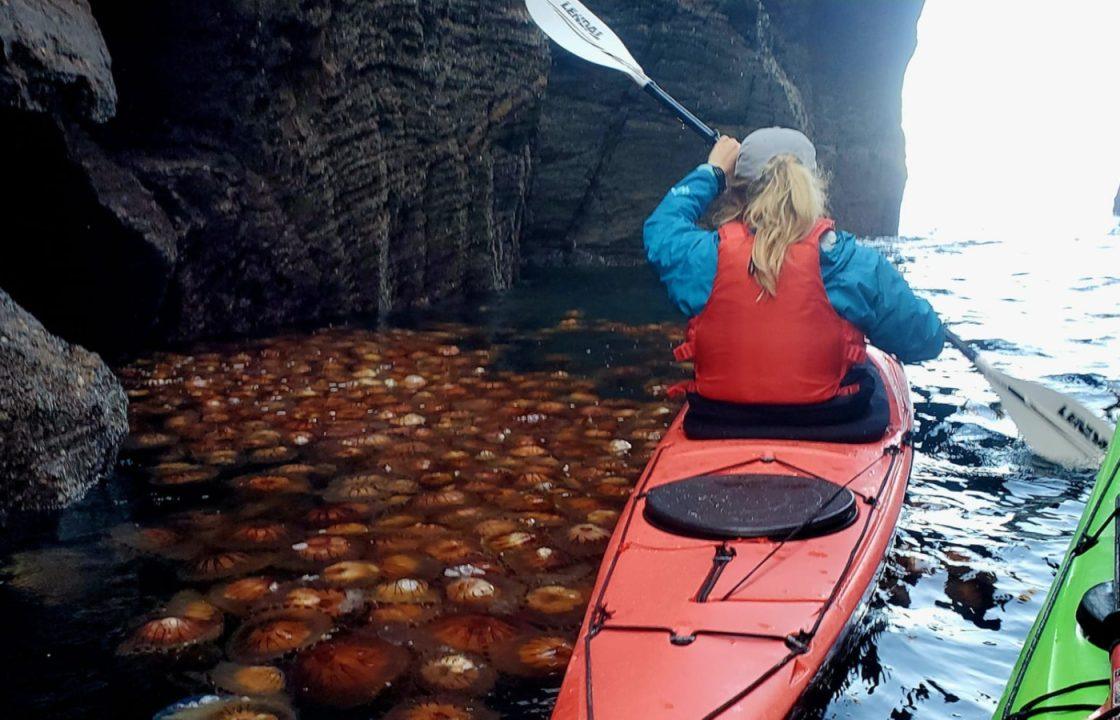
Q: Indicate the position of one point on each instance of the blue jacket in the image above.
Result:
(861, 284)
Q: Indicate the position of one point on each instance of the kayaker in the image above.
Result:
(779, 301)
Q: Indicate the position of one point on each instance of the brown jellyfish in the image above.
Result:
(360, 488)
(179, 474)
(440, 500)
(472, 632)
(510, 541)
(351, 574)
(584, 539)
(541, 519)
(409, 591)
(251, 680)
(556, 604)
(398, 616)
(273, 454)
(164, 541)
(464, 517)
(326, 549)
(218, 564)
(149, 441)
(494, 527)
(186, 621)
(212, 707)
(531, 561)
(456, 672)
(490, 594)
(533, 655)
(400, 565)
(396, 521)
(441, 708)
(275, 634)
(238, 596)
(334, 602)
(270, 484)
(348, 671)
(337, 513)
(605, 518)
(451, 549)
(258, 535)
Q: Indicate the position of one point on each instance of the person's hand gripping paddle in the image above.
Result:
(1055, 426)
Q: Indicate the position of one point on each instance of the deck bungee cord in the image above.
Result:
(797, 641)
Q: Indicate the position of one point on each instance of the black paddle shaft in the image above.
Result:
(965, 349)
(694, 123)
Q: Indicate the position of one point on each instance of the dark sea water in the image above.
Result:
(984, 525)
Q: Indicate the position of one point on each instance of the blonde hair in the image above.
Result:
(780, 207)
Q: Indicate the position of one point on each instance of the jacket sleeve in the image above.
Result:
(866, 289)
(683, 253)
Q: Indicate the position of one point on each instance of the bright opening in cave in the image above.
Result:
(1010, 112)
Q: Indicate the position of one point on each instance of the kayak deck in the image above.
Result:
(1058, 667)
(651, 648)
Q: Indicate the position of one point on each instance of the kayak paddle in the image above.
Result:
(576, 29)
(1055, 426)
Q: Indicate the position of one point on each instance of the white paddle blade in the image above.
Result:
(1055, 426)
(576, 29)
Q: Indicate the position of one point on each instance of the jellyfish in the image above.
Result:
(217, 564)
(556, 604)
(185, 622)
(472, 632)
(456, 672)
(214, 707)
(351, 574)
(251, 680)
(533, 655)
(409, 591)
(325, 549)
(238, 596)
(348, 671)
(275, 634)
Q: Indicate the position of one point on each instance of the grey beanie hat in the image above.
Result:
(761, 146)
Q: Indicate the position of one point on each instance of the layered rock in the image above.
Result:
(832, 69)
(62, 415)
(279, 163)
(287, 163)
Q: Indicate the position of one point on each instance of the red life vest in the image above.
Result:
(790, 348)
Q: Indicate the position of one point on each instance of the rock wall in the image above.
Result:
(275, 163)
(291, 162)
(62, 415)
(607, 153)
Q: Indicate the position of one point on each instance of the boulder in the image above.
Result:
(63, 415)
(54, 59)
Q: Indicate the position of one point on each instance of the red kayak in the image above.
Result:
(736, 569)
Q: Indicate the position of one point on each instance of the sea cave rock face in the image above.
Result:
(249, 165)
(62, 415)
(290, 162)
(607, 153)
(53, 59)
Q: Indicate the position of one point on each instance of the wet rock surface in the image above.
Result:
(608, 153)
(62, 415)
(54, 59)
